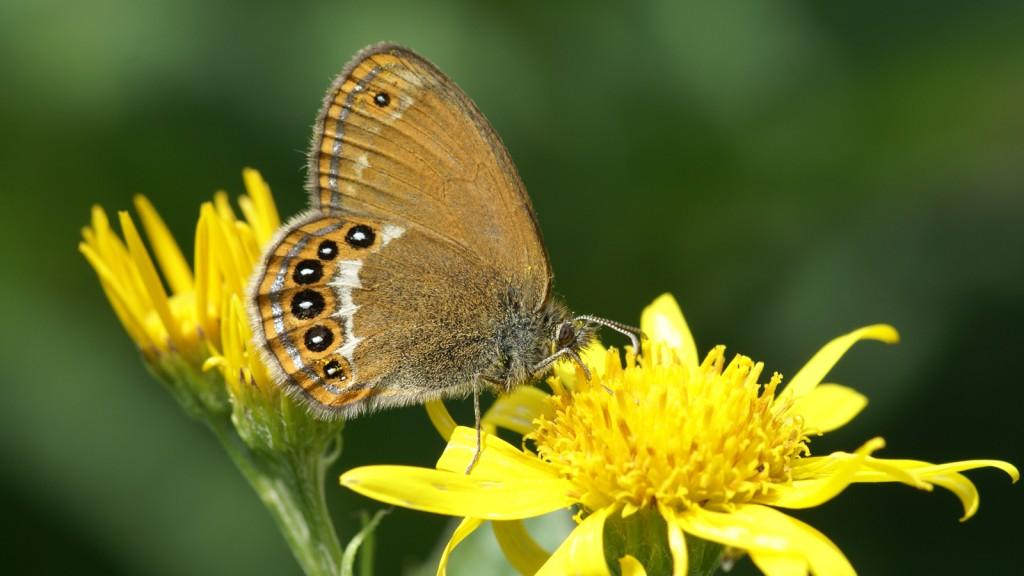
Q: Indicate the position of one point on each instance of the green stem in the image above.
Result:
(291, 486)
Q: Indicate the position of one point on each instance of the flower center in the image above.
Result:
(660, 431)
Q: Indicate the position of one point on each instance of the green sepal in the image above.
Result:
(644, 535)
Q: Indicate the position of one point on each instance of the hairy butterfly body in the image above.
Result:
(419, 271)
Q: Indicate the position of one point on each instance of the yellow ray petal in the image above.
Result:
(204, 282)
(264, 220)
(441, 418)
(630, 566)
(828, 407)
(151, 281)
(465, 528)
(168, 254)
(521, 550)
(819, 365)
(132, 323)
(499, 460)
(923, 474)
(779, 564)
(927, 469)
(762, 529)
(663, 321)
(676, 542)
(516, 411)
(225, 250)
(457, 494)
(582, 553)
(810, 492)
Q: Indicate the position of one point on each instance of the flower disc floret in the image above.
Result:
(658, 432)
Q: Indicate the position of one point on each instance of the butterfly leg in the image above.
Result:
(479, 430)
(546, 363)
(476, 414)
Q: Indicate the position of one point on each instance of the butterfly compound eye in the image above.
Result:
(566, 336)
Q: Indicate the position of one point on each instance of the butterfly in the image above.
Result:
(418, 272)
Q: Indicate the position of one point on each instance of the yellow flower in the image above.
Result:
(701, 447)
(192, 328)
(187, 321)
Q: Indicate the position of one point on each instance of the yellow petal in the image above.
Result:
(810, 492)
(923, 474)
(168, 254)
(582, 553)
(630, 566)
(676, 542)
(151, 281)
(206, 285)
(762, 529)
(521, 550)
(458, 494)
(926, 469)
(465, 528)
(441, 418)
(499, 460)
(829, 406)
(819, 365)
(225, 250)
(663, 321)
(132, 323)
(264, 220)
(779, 564)
(517, 411)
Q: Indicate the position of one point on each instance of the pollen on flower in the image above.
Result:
(658, 432)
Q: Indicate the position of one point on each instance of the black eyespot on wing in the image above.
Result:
(328, 250)
(334, 370)
(360, 236)
(307, 304)
(318, 338)
(382, 99)
(308, 272)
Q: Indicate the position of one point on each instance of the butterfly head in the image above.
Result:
(573, 334)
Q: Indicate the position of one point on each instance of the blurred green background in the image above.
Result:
(790, 170)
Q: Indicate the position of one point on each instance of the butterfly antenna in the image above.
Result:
(633, 333)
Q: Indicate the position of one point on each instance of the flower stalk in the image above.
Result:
(292, 489)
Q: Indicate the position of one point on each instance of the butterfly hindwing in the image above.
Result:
(303, 306)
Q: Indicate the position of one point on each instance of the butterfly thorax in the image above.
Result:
(523, 339)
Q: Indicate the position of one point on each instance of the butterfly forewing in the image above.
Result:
(398, 139)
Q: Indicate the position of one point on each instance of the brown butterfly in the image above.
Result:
(419, 272)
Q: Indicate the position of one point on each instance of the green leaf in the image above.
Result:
(364, 538)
